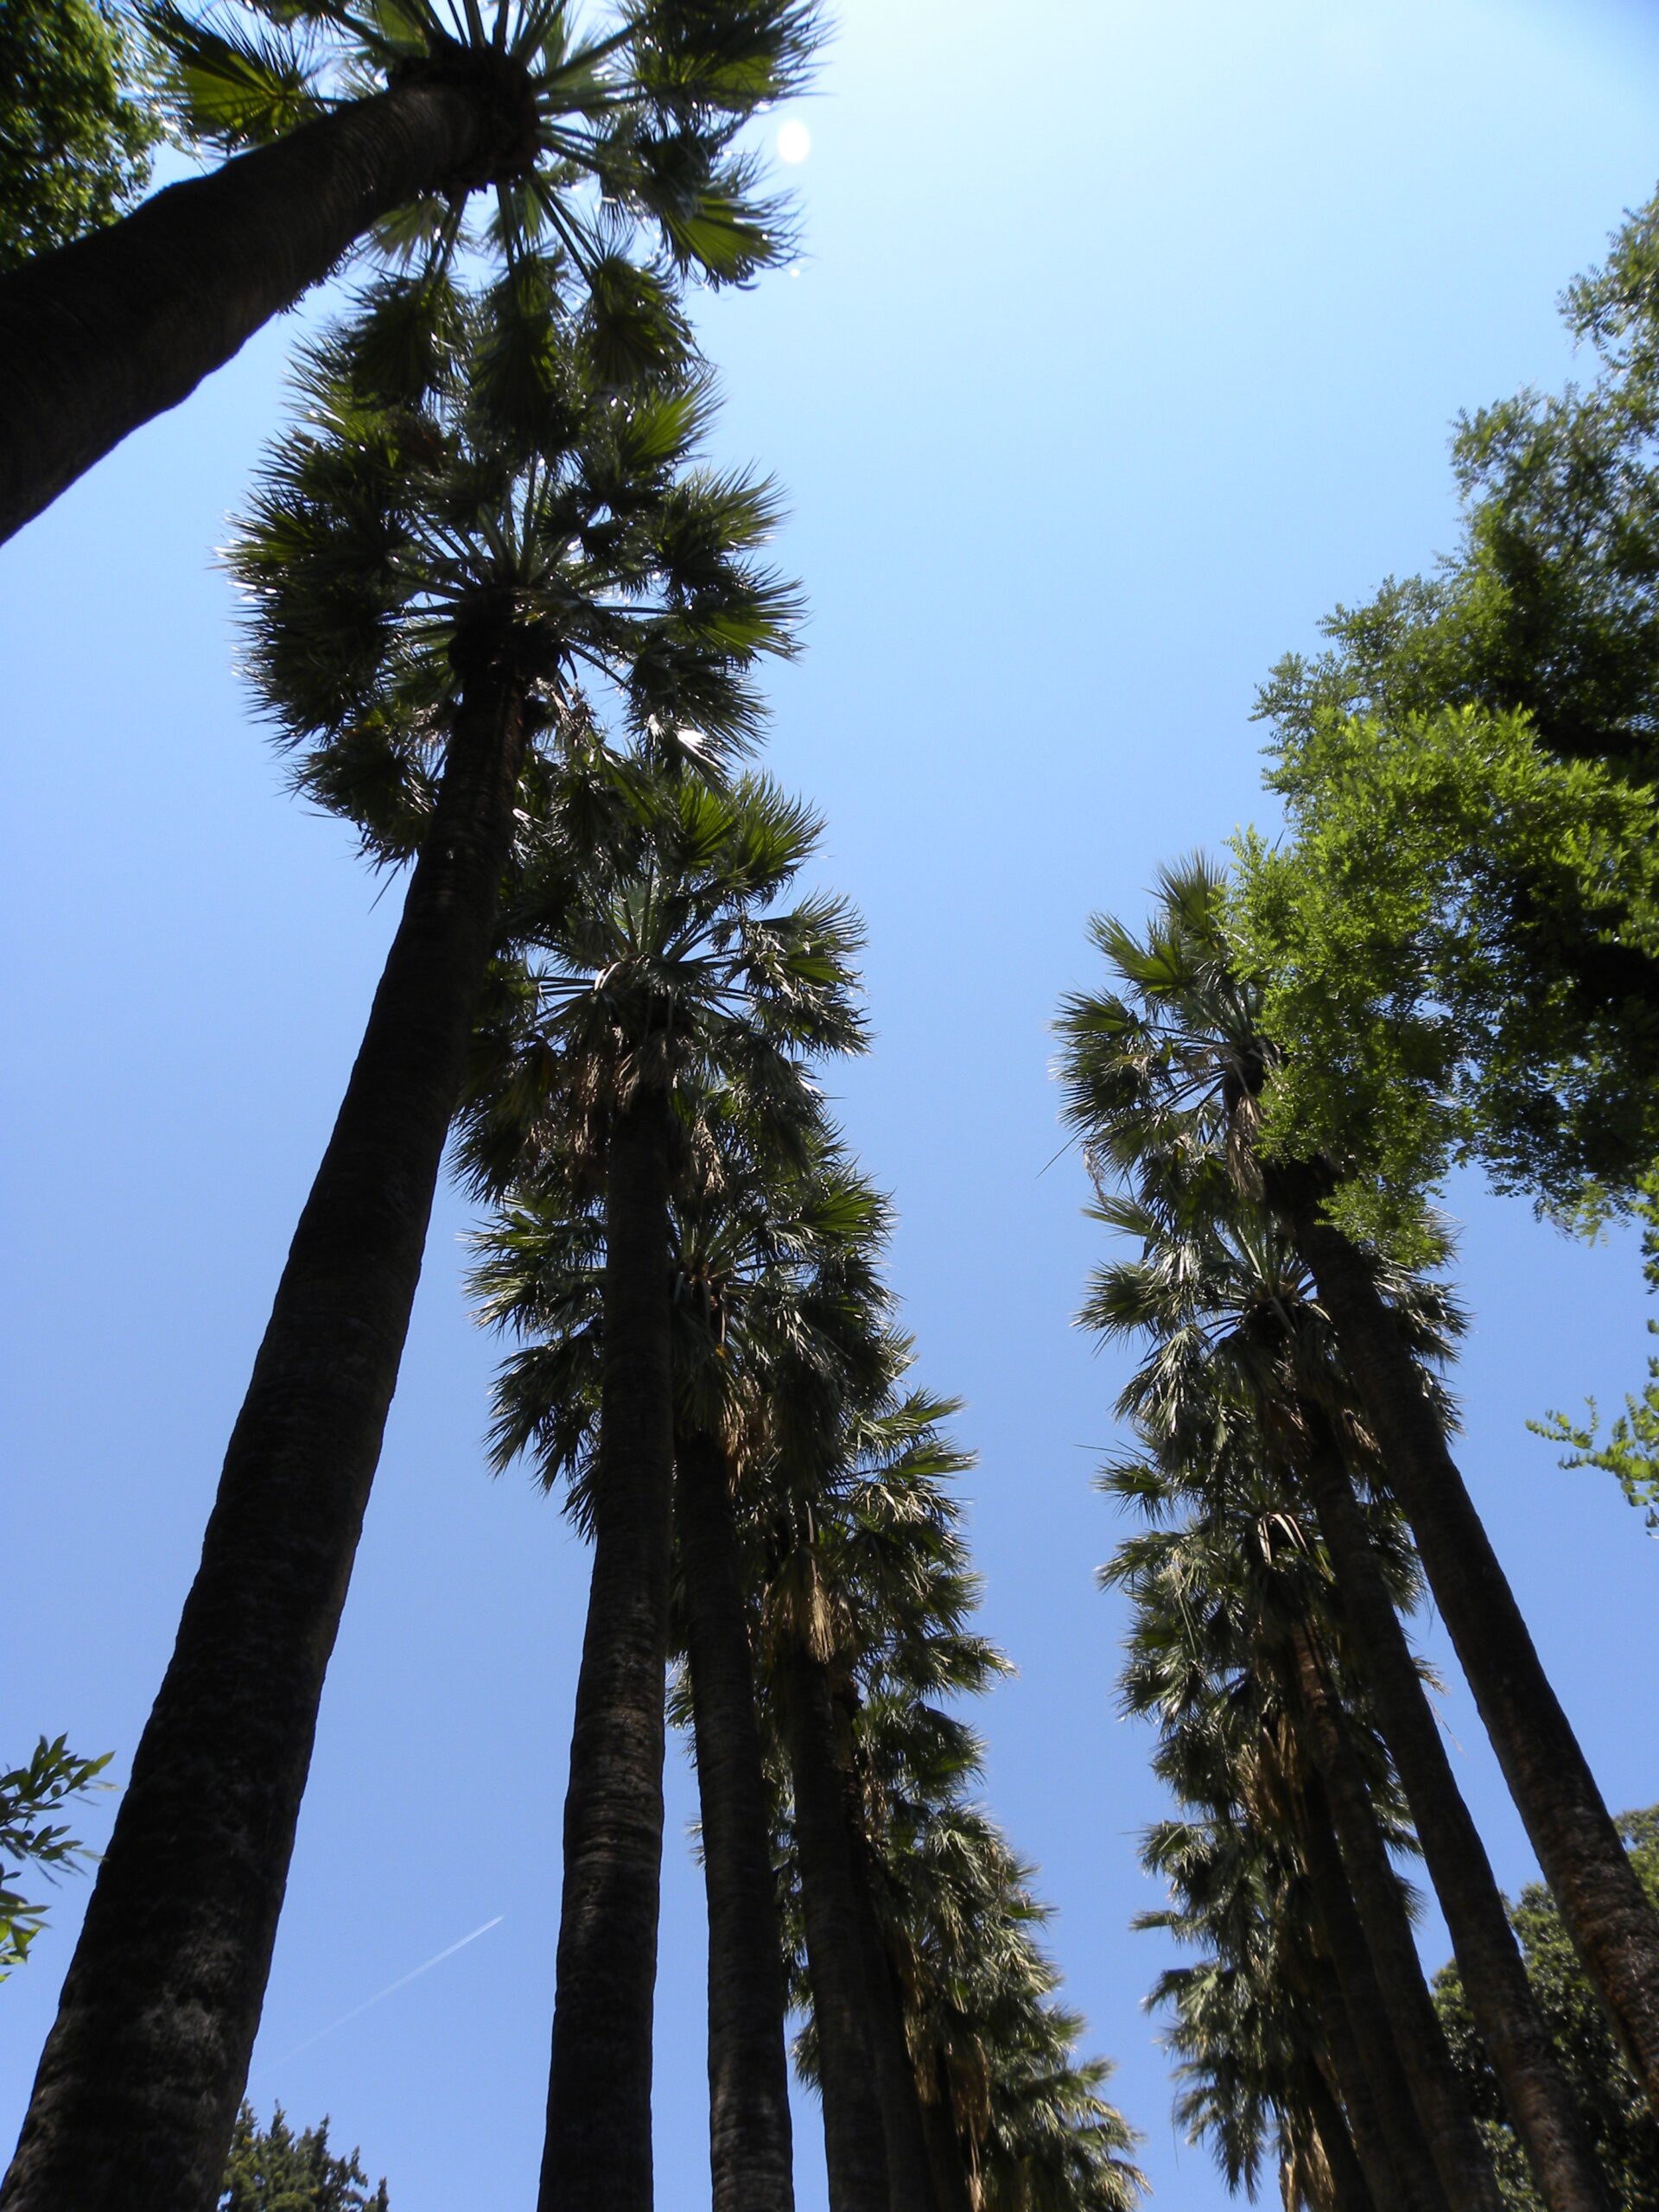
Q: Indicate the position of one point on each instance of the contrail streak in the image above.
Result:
(390, 1989)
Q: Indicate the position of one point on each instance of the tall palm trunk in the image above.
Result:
(139, 2082)
(1343, 1936)
(1461, 2157)
(952, 2189)
(1603, 1906)
(749, 2136)
(596, 2157)
(855, 2141)
(910, 2163)
(99, 336)
(1501, 1999)
(1348, 2191)
(1341, 2069)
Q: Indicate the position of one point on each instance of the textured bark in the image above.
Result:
(1505, 2010)
(139, 2082)
(101, 335)
(1344, 1938)
(749, 2136)
(1603, 1906)
(1349, 2191)
(853, 2138)
(596, 2157)
(1461, 2157)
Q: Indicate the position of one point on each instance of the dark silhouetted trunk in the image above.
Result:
(854, 2138)
(910, 2165)
(1384, 2075)
(1603, 1906)
(101, 335)
(597, 2153)
(139, 2082)
(1349, 2191)
(951, 2192)
(1505, 2010)
(749, 2136)
(1461, 2156)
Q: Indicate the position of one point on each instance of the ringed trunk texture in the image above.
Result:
(1604, 1908)
(99, 336)
(141, 2077)
(1501, 1999)
(749, 2135)
(1461, 2157)
(596, 2157)
(1369, 2020)
(854, 2142)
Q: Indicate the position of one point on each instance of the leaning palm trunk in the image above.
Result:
(597, 2153)
(101, 335)
(1418, 2185)
(1602, 1905)
(138, 2085)
(749, 2134)
(1501, 1999)
(854, 2138)
(1461, 2157)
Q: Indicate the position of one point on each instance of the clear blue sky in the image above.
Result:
(1127, 342)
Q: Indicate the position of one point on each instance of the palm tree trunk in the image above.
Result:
(952, 2191)
(1460, 2155)
(910, 2166)
(99, 336)
(749, 2136)
(596, 2157)
(1506, 2013)
(1604, 1908)
(853, 2138)
(1349, 2191)
(1368, 2017)
(139, 2082)
(1342, 2070)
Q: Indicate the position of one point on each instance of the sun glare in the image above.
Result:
(794, 142)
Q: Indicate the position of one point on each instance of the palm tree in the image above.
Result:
(765, 1254)
(649, 980)
(1234, 1653)
(1224, 1293)
(1264, 2054)
(347, 120)
(914, 1918)
(1183, 1063)
(429, 575)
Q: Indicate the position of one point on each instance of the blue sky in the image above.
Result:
(1125, 343)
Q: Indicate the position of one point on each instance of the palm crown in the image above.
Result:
(597, 136)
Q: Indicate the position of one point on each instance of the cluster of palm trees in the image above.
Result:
(508, 622)
(1299, 1494)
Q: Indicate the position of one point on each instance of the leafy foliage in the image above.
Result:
(1623, 2130)
(1458, 944)
(614, 145)
(78, 122)
(1630, 1454)
(29, 1796)
(273, 2170)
